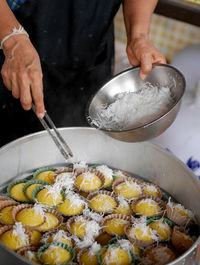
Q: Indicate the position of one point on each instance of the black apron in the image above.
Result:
(74, 39)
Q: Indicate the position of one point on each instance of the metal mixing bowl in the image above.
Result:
(129, 81)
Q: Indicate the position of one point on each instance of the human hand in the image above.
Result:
(142, 52)
(22, 73)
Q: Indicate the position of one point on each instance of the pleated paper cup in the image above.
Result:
(58, 216)
(137, 242)
(5, 204)
(56, 244)
(53, 232)
(80, 253)
(62, 170)
(72, 219)
(5, 198)
(160, 202)
(96, 172)
(7, 228)
(124, 173)
(159, 248)
(121, 180)
(103, 192)
(176, 217)
(22, 251)
(114, 216)
(159, 192)
(178, 242)
(18, 209)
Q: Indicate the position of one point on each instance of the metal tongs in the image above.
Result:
(50, 127)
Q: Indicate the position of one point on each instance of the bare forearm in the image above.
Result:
(137, 16)
(7, 20)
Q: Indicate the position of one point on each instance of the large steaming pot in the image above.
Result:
(93, 146)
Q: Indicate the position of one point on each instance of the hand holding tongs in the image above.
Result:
(48, 125)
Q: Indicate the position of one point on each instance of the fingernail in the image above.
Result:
(142, 76)
(40, 115)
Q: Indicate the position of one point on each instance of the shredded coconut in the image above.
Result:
(113, 257)
(92, 229)
(19, 231)
(75, 199)
(83, 243)
(54, 191)
(120, 174)
(108, 205)
(94, 249)
(131, 185)
(65, 181)
(39, 209)
(125, 244)
(150, 187)
(88, 177)
(81, 164)
(61, 234)
(173, 205)
(133, 109)
(123, 202)
(140, 223)
(106, 171)
(95, 216)
(30, 255)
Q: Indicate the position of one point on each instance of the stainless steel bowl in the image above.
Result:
(129, 81)
(26, 154)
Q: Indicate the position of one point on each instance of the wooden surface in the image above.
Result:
(180, 10)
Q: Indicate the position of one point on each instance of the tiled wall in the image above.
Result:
(168, 35)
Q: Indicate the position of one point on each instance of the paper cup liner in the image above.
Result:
(178, 241)
(21, 251)
(62, 170)
(114, 216)
(96, 172)
(5, 198)
(123, 179)
(156, 246)
(72, 219)
(12, 184)
(44, 247)
(42, 169)
(58, 216)
(31, 182)
(156, 186)
(5, 204)
(114, 245)
(53, 232)
(174, 216)
(108, 187)
(160, 202)
(82, 198)
(18, 209)
(38, 189)
(7, 228)
(166, 220)
(137, 242)
(103, 192)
